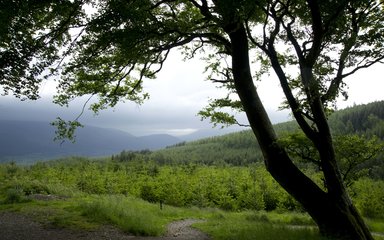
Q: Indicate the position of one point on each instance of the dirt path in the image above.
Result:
(182, 230)
(15, 226)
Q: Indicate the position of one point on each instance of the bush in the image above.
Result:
(369, 197)
(15, 195)
(35, 187)
(148, 193)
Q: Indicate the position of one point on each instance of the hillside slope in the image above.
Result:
(30, 141)
(241, 148)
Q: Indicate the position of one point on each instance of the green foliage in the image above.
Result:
(241, 148)
(369, 197)
(220, 116)
(352, 152)
(225, 187)
(32, 34)
(300, 147)
(238, 149)
(229, 188)
(14, 195)
(65, 130)
(365, 119)
(148, 192)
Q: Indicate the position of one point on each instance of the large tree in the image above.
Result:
(106, 48)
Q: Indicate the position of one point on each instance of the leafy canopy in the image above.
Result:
(32, 34)
(352, 152)
(107, 48)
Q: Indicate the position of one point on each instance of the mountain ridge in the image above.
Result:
(241, 148)
(22, 141)
(17, 145)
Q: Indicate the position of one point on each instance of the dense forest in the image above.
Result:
(363, 123)
(226, 187)
(358, 135)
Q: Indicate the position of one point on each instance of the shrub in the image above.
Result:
(369, 197)
(35, 187)
(15, 195)
(148, 193)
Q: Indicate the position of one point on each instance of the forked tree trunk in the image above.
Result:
(334, 213)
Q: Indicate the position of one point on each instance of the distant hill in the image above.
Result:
(27, 141)
(367, 119)
(24, 141)
(240, 148)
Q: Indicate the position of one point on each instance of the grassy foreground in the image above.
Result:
(80, 193)
(142, 218)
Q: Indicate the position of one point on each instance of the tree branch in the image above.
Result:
(367, 65)
(294, 105)
(317, 32)
(351, 41)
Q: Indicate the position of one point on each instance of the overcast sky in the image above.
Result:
(176, 96)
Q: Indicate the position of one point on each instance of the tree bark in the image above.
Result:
(333, 211)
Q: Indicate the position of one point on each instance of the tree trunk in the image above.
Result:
(334, 213)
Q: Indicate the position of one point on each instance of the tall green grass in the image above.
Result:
(142, 218)
(139, 217)
(134, 215)
(234, 231)
(79, 205)
(246, 225)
